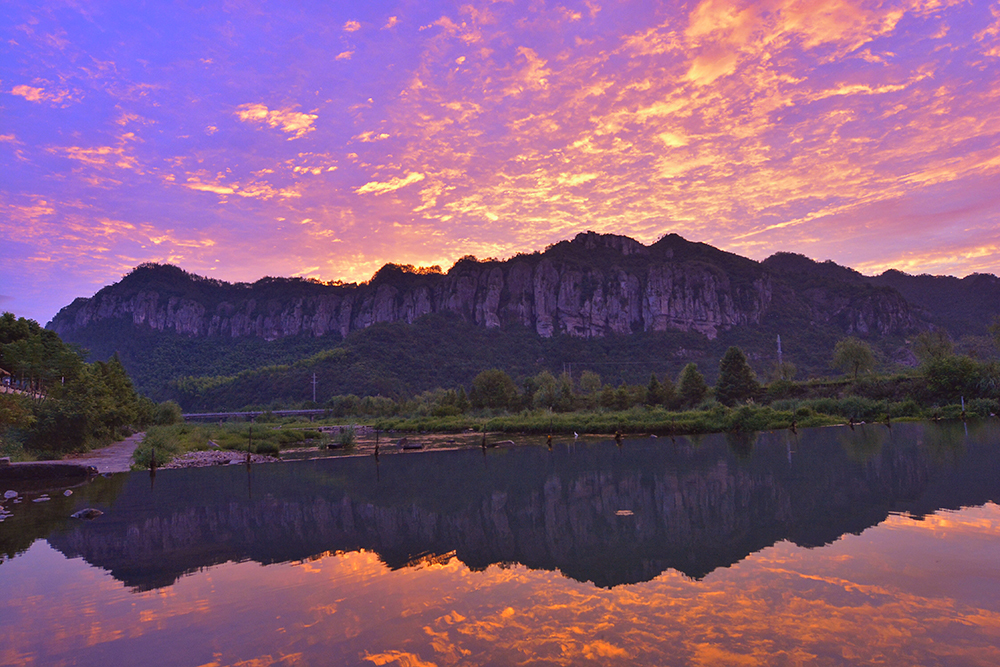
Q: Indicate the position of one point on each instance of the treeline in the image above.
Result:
(399, 361)
(944, 385)
(53, 402)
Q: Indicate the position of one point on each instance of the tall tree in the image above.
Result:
(737, 381)
(932, 345)
(853, 355)
(691, 386)
(654, 392)
(493, 389)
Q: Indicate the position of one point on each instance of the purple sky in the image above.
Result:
(245, 139)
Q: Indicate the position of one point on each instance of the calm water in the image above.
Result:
(827, 547)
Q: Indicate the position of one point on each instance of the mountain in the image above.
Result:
(576, 299)
(594, 285)
(959, 305)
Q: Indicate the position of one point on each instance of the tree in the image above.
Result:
(737, 381)
(949, 378)
(590, 382)
(932, 345)
(853, 355)
(553, 393)
(608, 397)
(462, 401)
(691, 386)
(493, 389)
(653, 391)
(168, 413)
(994, 329)
(660, 393)
(785, 371)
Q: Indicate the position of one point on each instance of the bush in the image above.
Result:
(983, 407)
(346, 437)
(158, 441)
(167, 413)
(270, 448)
(950, 378)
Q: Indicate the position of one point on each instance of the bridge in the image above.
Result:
(252, 414)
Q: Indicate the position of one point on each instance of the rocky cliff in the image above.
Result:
(591, 286)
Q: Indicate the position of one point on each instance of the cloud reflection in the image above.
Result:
(862, 599)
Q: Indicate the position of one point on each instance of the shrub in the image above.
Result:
(167, 413)
(266, 447)
(983, 407)
(346, 437)
(949, 378)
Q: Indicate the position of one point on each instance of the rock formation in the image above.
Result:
(591, 286)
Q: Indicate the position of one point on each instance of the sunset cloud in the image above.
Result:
(33, 94)
(379, 188)
(296, 123)
(494, 128)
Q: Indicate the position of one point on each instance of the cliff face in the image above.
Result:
(591, 286)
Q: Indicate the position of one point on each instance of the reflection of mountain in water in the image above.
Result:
(693, 509)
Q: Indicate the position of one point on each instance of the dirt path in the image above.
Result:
(113, 458)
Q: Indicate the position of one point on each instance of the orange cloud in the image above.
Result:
(378, 188)
(296, 123)
(58, 97)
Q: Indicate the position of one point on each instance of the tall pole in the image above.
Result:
(314, 387)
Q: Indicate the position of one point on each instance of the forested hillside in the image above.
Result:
(53, 402)
(603, 303)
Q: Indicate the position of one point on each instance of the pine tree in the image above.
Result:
(654, 393)
(691, 386)
(736, 379)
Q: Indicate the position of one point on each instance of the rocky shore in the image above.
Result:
(217, 457)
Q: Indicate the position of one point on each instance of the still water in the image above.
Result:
(831, 546)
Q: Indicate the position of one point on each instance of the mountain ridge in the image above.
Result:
(624, 308)
(591, 286)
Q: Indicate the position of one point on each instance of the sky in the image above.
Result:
(324, 139)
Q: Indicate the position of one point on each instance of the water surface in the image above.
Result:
(831, 546)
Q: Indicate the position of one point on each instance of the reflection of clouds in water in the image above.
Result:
(864, 598)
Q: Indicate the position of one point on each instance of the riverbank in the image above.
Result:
(116, 457)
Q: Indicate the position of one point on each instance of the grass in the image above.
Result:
(178, 439)
(12, 445)
(711, 417)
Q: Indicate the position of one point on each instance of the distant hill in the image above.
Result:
(621, 307)
(960, 305)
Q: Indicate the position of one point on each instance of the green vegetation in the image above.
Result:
(178, 439)
(853, 355)
(691, 386)
(54, 403)
(737, 382)
(345, 438)
(739, 404)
